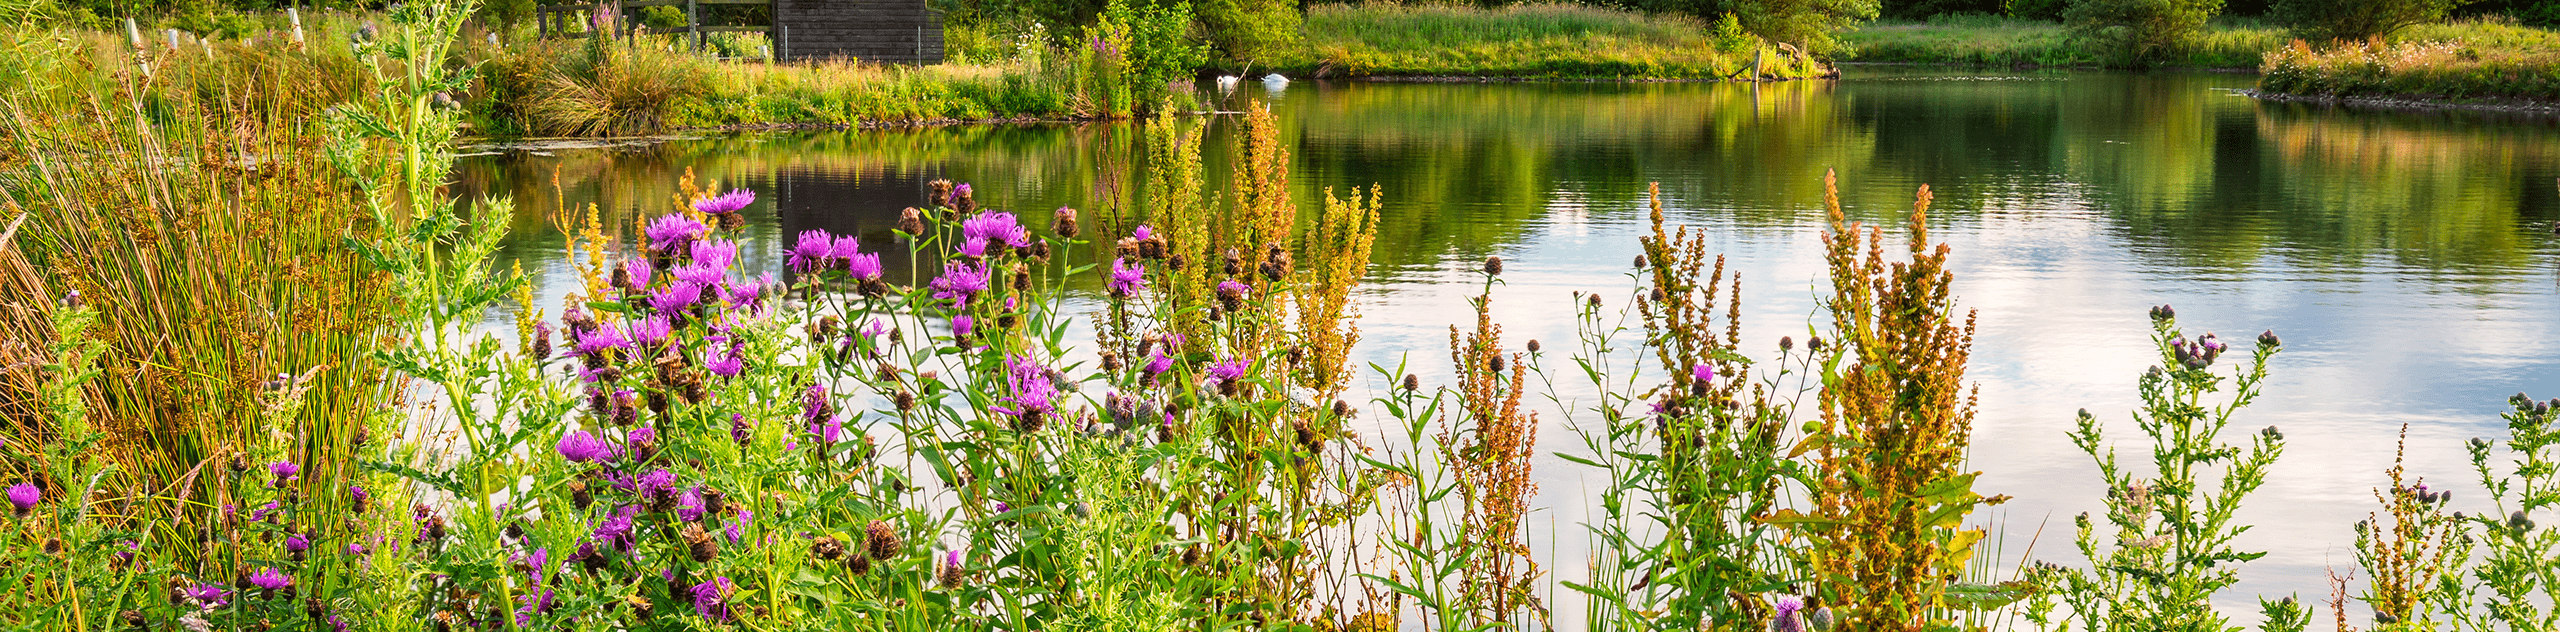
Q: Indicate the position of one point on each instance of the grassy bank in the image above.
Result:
(590, 88)
(1529, 40)
(2480, 61)
(1994, 41)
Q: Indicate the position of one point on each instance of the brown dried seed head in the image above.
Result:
(882, 540)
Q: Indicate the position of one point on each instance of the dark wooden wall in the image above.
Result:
(868, 30)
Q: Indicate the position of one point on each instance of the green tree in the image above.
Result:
(2138, 33)
(2358, 20)
(1246, 30)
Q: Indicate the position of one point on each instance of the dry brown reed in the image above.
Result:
(1895, 422)
(1488, 455)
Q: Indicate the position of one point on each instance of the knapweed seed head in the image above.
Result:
(881, 540)
(1063, 223)
(1493, 265)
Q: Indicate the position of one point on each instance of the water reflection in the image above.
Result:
(2406, 256)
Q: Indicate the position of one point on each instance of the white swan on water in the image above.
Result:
(1227, 83)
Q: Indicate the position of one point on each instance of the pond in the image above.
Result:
(2408, 258)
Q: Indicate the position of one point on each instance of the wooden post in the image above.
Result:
(693, 22)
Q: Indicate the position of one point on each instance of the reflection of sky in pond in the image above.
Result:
(2405, 257)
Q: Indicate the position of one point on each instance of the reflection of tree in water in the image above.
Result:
(2191, 175)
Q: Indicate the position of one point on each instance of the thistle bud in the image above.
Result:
(2269, 339)
(1493, 265)
(1786, 343)
(1594, 301)
(1497, 364)
(1412, 382)
(1641, 262)
(1533, 345)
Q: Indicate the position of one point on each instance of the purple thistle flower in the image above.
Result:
(716, 254)
(24, 496)
(829, 431)
(674, 233)
(811, 253)
(725, 203)
(1789, 614)
(579, 447)
(297, 543)
(711, 598)
(1157, 363)
(675, 297)
(960, 282)
(1702, 372)
(640, 271)
(1127, 279)
(269, 579)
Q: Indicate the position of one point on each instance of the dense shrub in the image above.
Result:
(2138, 33)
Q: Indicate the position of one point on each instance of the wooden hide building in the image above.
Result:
(901, 31)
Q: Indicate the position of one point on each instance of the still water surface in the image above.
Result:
(2408, 259)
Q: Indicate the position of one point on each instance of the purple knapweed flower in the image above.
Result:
(1157, 363)
(297, 543)
(711, 598)
(958, 193)
(1034, 394)
(997, 226)
(725, 203)
(960, 282)
(639, 272)
(701, 274)
(1702, 372)
(1228, 371)
(1126, 278)
(675, 297)
(960, 325)
(657, 482)
(579, 447)
(844, 247)
(284, 471)
(727, 363)
(595, 343)
(642, 436)
(716, 254)
(1230, 287)
(690, 506)
(739, 430)
(734, 525)
(812, 252)
(24, 497)
(1143, 233)
(973, 248)
(863, 266)
(674, 234)
(269, 579)
(355, 548)
(208, 596)
(651, 332)
(829, 431)
(616, 528)
(264, 511)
